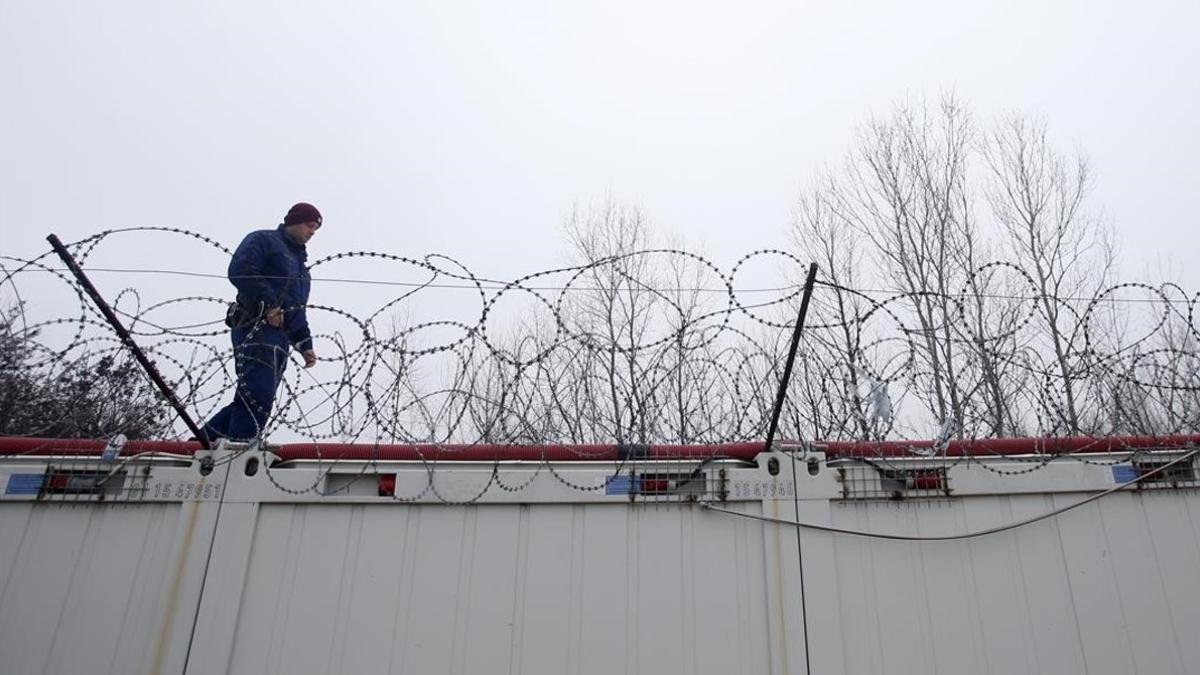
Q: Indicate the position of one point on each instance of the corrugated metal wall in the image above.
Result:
(97, 588)
(553, 588)
(1110, 588)
(268, 576)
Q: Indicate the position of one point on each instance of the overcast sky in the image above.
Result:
(471, 128)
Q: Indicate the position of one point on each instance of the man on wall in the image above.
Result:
(268, 269)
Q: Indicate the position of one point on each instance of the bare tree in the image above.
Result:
(830, 383)
(991, 331)
(954, 301)
(1038, 197)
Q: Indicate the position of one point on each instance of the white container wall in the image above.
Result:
(517, 568)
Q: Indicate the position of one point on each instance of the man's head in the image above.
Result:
(302, 222)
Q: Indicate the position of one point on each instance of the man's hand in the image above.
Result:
(310, 358)
(274, 317)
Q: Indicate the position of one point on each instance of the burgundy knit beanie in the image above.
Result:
(302, 213)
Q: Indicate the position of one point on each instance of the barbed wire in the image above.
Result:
(498, 285)
(616, 349)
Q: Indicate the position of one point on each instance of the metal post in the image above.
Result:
(779, 399)
(791, 358)
(127, 339)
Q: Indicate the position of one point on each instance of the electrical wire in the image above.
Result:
(494, 285)
(952, 537)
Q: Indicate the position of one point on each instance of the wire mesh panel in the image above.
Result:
(1156, 472)
(863, 479)
(80, 480)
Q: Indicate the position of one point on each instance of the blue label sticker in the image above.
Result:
(620, 485)
(24, 484)
(1123, 473)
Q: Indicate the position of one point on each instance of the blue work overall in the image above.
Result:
(268, 270)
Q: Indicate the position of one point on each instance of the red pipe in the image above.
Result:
(37, 447)
(611, 453)
(490, 453)
(984, 447)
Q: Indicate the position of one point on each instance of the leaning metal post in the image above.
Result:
(791, 358)
(127, 339)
